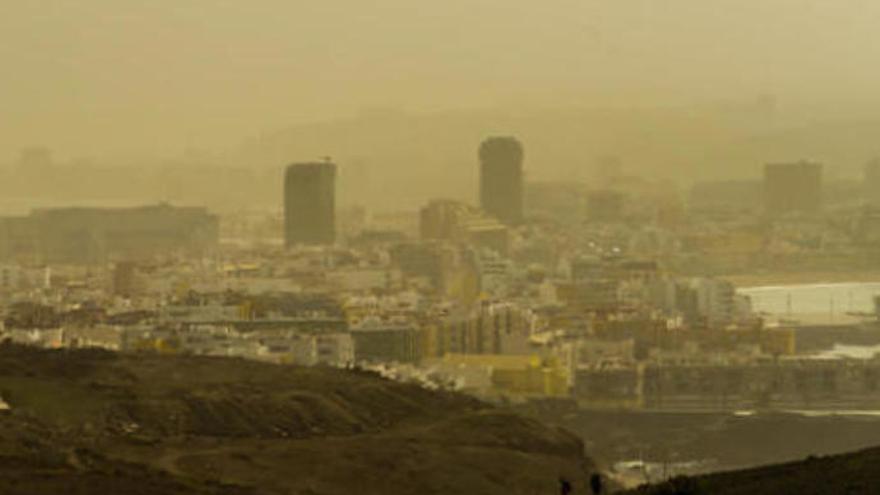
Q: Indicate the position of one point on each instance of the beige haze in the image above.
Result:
(91, 77)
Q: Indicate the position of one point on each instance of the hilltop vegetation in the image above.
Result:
(93, 422)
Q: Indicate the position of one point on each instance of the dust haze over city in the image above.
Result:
(461, 247)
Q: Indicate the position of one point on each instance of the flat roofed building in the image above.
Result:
(605, 206)
(88, 235)
(792, 188)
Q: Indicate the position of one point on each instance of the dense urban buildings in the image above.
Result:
(793, 188)
(594, 300)
(457, 222)
(501, 179)
(310, 204)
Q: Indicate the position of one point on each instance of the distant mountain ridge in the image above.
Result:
(428, 155)
(391, 160)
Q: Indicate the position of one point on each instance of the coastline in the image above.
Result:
(802, 278)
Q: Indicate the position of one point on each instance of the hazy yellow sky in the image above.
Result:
(91, 77)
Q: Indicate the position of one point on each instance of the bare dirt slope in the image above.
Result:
(97, 422)
(847, 474)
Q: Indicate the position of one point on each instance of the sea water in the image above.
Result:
(835, 299)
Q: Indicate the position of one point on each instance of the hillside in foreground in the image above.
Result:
(848, 474)
(84, 422)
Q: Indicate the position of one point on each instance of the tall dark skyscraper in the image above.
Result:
(310, 204)
(501, 179)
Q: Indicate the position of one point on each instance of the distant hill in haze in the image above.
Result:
(391, 159)
(415, 156)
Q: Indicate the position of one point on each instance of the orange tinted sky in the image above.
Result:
(88, 77)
